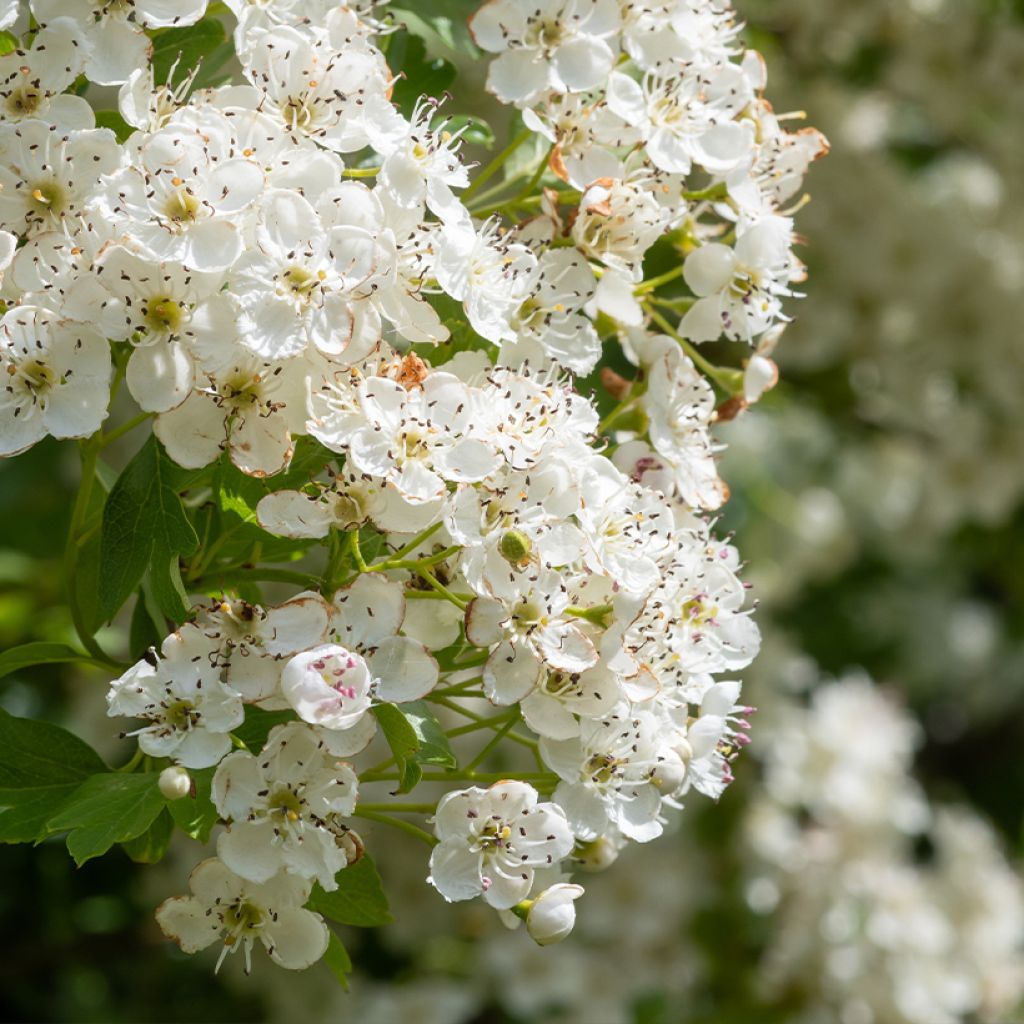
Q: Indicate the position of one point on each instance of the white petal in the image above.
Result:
(297, 938)
(404, 669)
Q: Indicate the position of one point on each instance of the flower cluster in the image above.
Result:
(294, 256)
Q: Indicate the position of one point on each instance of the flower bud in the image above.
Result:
(175, 783)
(551, 916)
(515, 547)
(597, 855)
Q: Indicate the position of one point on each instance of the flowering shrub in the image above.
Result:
(452, 411)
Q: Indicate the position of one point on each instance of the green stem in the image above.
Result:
(132, 764)
(435, 584)
(90, 449)
(496, 164)
(494, 740)
(135, 421)
(714, 372)
(420, 537)
(360, 172)
(357, 551)
(656, 282)
(403, 826)
(399, 808)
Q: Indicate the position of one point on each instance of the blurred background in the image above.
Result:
(865, 868)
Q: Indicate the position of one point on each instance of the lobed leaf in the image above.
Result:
(41, 766)
(359, 899)
(106, 809)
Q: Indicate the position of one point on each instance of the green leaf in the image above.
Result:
(442, 24)
(254, 730)
(113, 120)
(151, 846)
(145, 526)
(147, 628)
(421, 75)
(196, 815)
(9, 42)
(337, 959)
(41, 766)
(415, 738)
(434, 747)
(107, 809)
(188, 46)
(359, 899)
(40, 654)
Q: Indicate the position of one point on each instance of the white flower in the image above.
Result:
(421, 165)
(318, 90)
(740, 289)
(680, 405)
(695, 620)
(33, 80)
(223, 905)
(608, 775)
(115, 43)
(629, 529)
(684, 33)
(551, 709)
(491, 840)
(171, 315)
(47, 175)
(552, 313)
(551, 915)
(251, 643)
(54, 378)
(528, 630)
(549, 45)
(285, 807)
(251, 408)
(9, 11)
(329, 686)
(490, 275)
(303, 284)
(687, 118)
(417, 439)
(182, 197)
(189, 710)
(618, 222)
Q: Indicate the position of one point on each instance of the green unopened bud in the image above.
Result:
(515, 547)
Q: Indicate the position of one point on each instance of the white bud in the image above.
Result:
(710, 268)
(175, 783)
(551, 916)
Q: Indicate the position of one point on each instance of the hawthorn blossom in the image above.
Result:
(226, 906)
(285, 807)
(417, 439)
(250, 408)
(492, 840)
(33, 79)
(55, 377)
(189, 711)
(113, 37)
(48, 176)
(612, 775)
(490, 275)
(181, 199)
(740, 289)
(550, 45)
